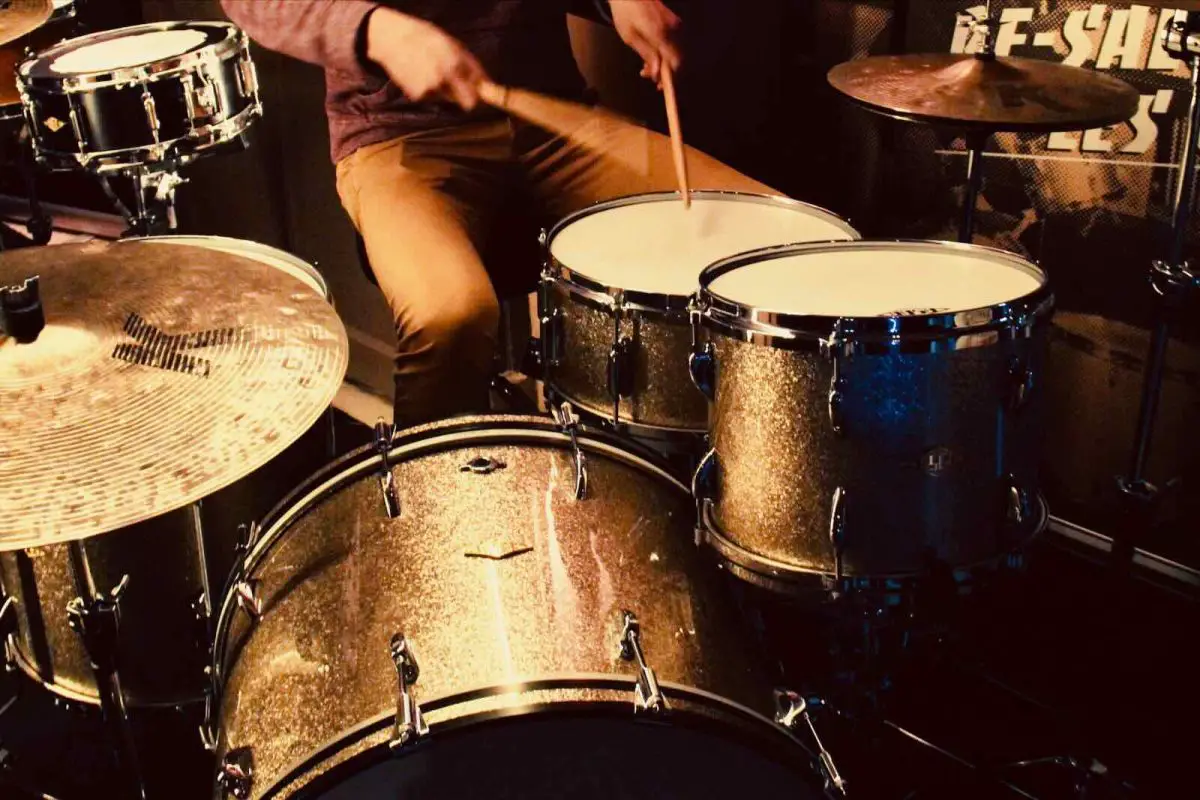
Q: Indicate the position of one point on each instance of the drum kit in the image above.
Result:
(854, 417)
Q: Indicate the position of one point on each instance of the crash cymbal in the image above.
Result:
(164, 373)
(19, 17)
(997, 94)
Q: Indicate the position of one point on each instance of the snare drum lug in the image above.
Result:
(647, 696)
(77, 127)
(410, 723)
(247, 74)
(236, 775)
(837, 529)
(568, 421)
(702, 366)
(151, 107)
(248, 600)
(1020, 383)
(552, 337)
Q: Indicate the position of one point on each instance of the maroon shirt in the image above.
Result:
(520, 43)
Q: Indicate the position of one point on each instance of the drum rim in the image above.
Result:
(785, 578)
(690, 707)
(225, 39)
(406, 445)
(602, 295)
(313, 277)
(797, 331)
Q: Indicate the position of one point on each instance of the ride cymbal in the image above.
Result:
(19, 17)
(995, 94)
(164, 373)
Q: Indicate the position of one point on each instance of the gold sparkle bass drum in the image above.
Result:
(875, 409)
(456, 612)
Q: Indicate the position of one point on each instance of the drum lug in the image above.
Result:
(247, 537)
(387, 480)
(1018, 503)
(704, 489)
(246, 592)
(568, 421)
(837, 529)
(151, 107)
(8, 627)
(208, 729)
(235, 778)
(247, 75)
(790, 710)
(410, 723)
(646, 694)
(837, 348)
(620, 371)
(552, 338)
(702, 363)
(1020, 383)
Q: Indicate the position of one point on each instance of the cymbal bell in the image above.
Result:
(164, 373)
(992, 94)
(20, 17)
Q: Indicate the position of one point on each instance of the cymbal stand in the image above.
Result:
(95, 617)
(1173, 282)
(975, 139)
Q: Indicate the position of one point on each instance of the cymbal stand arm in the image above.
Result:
(975, 141)
(95, 617)
(1173, 281)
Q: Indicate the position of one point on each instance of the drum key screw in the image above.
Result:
(387, 481)
(568, 421)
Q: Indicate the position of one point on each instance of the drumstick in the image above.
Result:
(677, 149)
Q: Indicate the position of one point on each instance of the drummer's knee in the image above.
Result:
(456, 333)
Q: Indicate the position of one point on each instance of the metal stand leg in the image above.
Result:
(154, 201)
(96, 618)
(975, 142)
(40, 224)
(1173, 282)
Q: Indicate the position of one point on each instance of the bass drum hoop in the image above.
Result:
(417, 442)
(910, 333)
(322, 770)
(226, 41)
(595, 293)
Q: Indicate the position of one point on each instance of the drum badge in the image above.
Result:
(54, 124)
(937, 461)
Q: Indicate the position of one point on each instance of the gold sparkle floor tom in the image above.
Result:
(614, 299)
(446, 598)
(875, 408)
(177, 562)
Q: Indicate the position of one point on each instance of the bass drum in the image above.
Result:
(560, 647)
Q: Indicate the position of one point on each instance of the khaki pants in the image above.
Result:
(423, 203)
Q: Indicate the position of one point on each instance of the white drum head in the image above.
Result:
(658, 246)
(866, 279)
(134, 50)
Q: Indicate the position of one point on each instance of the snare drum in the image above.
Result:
(152, 94)
(177, 563)
(876, 408)
(561, 647)
(614, 298)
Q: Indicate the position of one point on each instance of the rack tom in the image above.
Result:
(614, 298)
(447, 598)
(875, 408)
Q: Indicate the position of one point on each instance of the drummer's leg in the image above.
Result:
(616, 158)
(420, 209)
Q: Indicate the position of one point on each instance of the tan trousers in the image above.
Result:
(423, 203)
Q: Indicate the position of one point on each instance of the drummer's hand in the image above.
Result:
(649, 27)
(422, 59)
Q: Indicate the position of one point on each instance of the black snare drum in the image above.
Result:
(140, 96)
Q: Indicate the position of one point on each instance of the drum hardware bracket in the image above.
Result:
(236, 775)
(247, 537)
(620, 360)
(1020, 383)
(387, 480)
(702, 361)
(647, 696)
(482, 465)
(21, 314)
(151, 107)
(568, 421)
(246, 592)
(837, 529)
(790, 708)
(550, 319)
(410, 724)
(8, 625)
(837, 348)
(704, 485)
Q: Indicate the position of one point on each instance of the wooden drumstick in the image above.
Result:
(677, 149)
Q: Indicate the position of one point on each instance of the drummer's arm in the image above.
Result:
(329, 33)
